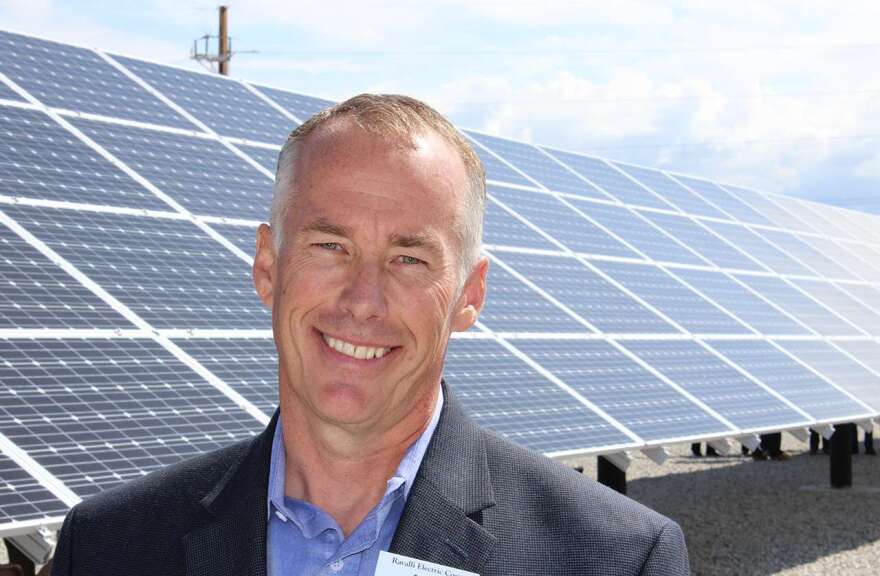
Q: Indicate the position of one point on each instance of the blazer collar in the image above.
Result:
(442, 519)
(233, 540)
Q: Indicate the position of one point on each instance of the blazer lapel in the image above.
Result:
(442, 519)
(232, 541)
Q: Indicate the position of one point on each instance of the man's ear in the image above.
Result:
(473, 294)
(264, 265)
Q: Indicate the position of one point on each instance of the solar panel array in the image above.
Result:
(628, 307)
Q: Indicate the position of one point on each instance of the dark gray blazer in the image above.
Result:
(478, 503)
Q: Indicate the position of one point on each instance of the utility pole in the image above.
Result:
(224, 46)
(223, 55)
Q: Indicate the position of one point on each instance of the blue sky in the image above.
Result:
(781, 96)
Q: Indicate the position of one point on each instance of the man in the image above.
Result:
(371, 262)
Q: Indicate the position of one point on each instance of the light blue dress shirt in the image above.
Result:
(303, 540)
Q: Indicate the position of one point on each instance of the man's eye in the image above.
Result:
(329, 245)
(409, 260)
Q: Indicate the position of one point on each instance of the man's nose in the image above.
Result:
(364, 293)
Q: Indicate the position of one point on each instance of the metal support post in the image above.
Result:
(841, 456)
(610, 475)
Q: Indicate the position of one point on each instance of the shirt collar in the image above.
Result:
(404, 475)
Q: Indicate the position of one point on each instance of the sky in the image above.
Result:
(781, 96)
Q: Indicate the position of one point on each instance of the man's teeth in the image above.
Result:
(359, 352)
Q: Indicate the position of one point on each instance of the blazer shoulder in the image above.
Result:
(542, 498)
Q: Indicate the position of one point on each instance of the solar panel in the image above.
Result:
(798, 305)
(610, 180)
(248, 365)
(201, 174)
(567, 226)
(586, 293)
(265, 157)
(622, 388)
(672, 298)
(222, 104)
(571, 354)
(538, 165)
(301, 106)
(168, 271)
(36, 293)
(42, 160)
(750, 308)
(71, 78)
(711, 247)
(809, 392)
(22, 498)
(720, 197)
(671, 191)
(639, 233)
(95, 413)
(731, 394)
(758, 248)
(840, 369)
(841, 303)
(507, 395)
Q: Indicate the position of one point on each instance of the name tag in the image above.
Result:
(396, 565)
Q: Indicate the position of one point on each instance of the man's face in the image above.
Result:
(365, 290)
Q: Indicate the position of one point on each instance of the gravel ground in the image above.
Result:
(746, 517)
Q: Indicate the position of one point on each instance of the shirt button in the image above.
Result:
(336, 565)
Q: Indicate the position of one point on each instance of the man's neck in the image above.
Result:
(343, 472)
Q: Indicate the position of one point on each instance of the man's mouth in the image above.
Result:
(354, 350)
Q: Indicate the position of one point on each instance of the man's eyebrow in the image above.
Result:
(327, 227)
(418, 240)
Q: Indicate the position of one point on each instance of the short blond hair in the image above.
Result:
(395, 117)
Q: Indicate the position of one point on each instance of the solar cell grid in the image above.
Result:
(35, 293)
(622, 388)
(724, 200)
(248, 365)
(671, 191)
(7, 93)
(512, 306)
(777, 215)
(22, 497)
(672, 298)
(98, 412)
(499, 171)
(800, 250)
(265, 157)
(245, 237)
(564, 224)
(871, 270)
(866, 352)
(841, 303)
(301, 106)
(169, 272)
(610, 180)
(789, 378)
(803, 308)
(502, 228)
(588, 294)
(64, 76)
(844, 257)
(505, 394)
(708, 245)
(759, 249)
(223, 105)
(840, 369)
(538, 165)
(40, 159)
(639, 233)
(201, 174)
(815, 215)
(867, 295)
(722, 388)
(748, 307)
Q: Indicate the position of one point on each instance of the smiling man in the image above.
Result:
(371, 261)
